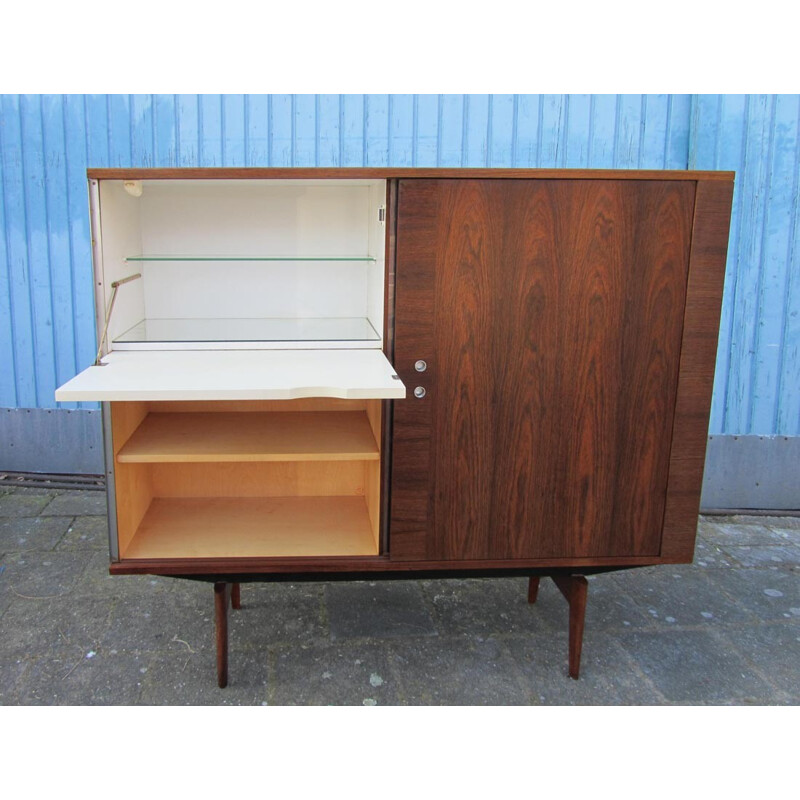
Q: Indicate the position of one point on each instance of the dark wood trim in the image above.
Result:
(222, 599)
(575, 589)
(380, 565)
(222, 173)
(388, 350)
(705, 281)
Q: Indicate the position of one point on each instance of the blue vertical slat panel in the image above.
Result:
(578, 131)
(79, 231)
(779, 201)
(95, 109)
(401, 130)
(501, 130)
(281, 119)
(38, 250)
(451, 130)
(210, 130)
(233, 130)
(426, 130)
(304, 131)
(141, 132)
(119, 130)
(652, 153)
(59, 250)
(257, 130)
(527, 133)
(551, 133)
(8, 388)
(475, 140)
(603, 131)
(165, 140)
(376, 127)
(19, 287)
(187, 116)
(629, 131)
(329, 110)
(352, 126)
(678, 125)
(788, 399)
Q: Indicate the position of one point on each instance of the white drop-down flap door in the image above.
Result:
(236, 375)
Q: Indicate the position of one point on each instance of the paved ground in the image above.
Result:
(725, 630)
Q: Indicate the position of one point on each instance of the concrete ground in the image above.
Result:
(725, 630)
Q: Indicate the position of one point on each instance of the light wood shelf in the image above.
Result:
(253, 436)
(225, 527)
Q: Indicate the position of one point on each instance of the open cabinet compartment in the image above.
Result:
(243, 263)
(247, 479)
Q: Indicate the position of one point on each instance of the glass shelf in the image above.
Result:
(153, 257)
(251, 330)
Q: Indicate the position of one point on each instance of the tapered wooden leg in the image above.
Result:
(533, 588)
(236, 598)
(222, 597)
(574, 588)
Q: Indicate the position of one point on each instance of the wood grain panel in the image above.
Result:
(556, 337)
(411, 501)
(696, 378)
(468, 258)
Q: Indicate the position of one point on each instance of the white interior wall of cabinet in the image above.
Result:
(120, 236)
(243, 218)
(377, 247)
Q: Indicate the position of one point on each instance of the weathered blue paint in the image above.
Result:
(46, 143)
(757, 386)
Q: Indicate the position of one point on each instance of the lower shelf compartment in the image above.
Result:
(247, 527)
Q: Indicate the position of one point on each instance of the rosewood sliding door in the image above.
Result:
(549, 316)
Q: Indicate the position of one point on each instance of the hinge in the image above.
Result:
(382, 214)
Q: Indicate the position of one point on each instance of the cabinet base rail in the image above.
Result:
(573, 587)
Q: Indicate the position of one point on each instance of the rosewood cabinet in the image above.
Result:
(374, 372)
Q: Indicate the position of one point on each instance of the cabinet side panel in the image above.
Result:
(131, 481)
(696, 377)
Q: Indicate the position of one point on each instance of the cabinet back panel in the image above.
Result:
(256, 218)
(260, 479)
(553, 343)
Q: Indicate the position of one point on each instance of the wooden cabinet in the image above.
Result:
(382, 371)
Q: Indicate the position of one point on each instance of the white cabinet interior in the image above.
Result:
(244, 263)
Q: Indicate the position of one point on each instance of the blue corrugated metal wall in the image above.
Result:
(47, 142)
(757, 385)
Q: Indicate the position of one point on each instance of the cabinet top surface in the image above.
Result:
(135, 173)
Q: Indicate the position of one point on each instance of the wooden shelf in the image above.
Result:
(251, 436)
(244, 527)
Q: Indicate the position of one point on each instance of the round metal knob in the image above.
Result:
(419, 392)
(420, 366)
